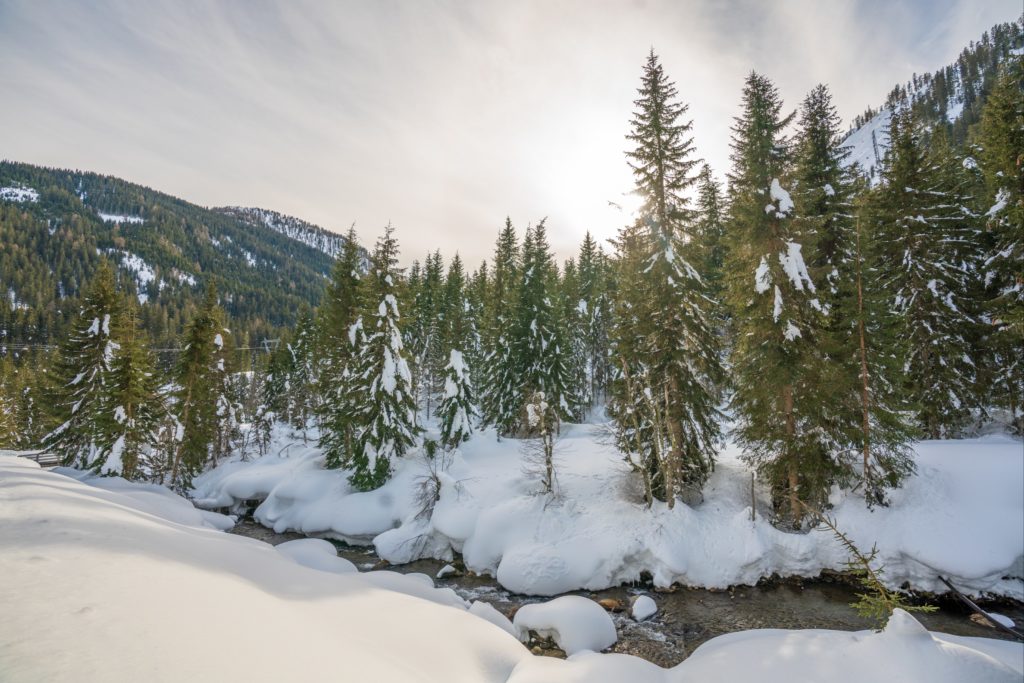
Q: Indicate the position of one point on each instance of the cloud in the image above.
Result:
(441, 117)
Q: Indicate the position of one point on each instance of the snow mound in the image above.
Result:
(904, 652)
(152, 499)
(643, 608)
(316, 553)
(961, 516)
(82, 566)
(574, 622)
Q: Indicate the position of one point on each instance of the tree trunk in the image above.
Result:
(863, 365)
(794, 473)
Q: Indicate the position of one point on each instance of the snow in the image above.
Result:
(144, 273)
(953, 110)
(777, 307)
(574, 622)
(793, 264)
(643, 608)
(316, 553)
(152, 499)
(184, 278)
(18, 194)
(780, 195)
(218, 341)
(1001, 619)
(762, 277)
(869, 143)
(1002, 199)
(116, 218)
(960, 516)
(829, 190)
(85, 563)
(445, 571)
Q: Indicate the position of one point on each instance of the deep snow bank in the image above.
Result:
(96, 590)
(961, 516)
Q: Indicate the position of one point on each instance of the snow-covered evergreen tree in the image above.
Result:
(676, 348)
(778, 366)
(134, 408)
(340, 326)
(457, 410)
(501, 398)
(9, 433)
(858, 406)
(594, 308)
(302, 376)
(1002, 139)
(539, 352)
(84, 374)
(710, 232)
(386, 418)
(928, 240)
(202, 404)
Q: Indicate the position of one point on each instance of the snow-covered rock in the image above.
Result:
(643, 608)
(575, 623)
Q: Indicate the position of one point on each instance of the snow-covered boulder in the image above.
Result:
(643, 608)
(488, 613)
(574, 622)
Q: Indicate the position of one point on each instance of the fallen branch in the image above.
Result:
(970, 603)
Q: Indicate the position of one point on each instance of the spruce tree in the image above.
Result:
(386, 418)
(1002, 139)
(710, 232)
(134, 409)
(84, 374)
(539, 351)
(339, 315)
(923, 223)
(594, 307)
(501, 398)
(860, 410)
(776, 314)
(677, 351)
(302, 376)
(199, 393)
(457, 410)
(9, 433)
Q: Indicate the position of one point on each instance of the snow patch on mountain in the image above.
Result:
(18, 193)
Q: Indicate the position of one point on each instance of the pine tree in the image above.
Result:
(199, 401)
(501, 400)
(387, 417)
(923, 223)
(539, 352)
(777, 317)
(594, 308)
(339, 326)
(1002, 162)
(9, 434)
(84, 374)
(710, 232)
(302, 377)
(457, 409)
(859, 407)
(677, 351)
(134, 410)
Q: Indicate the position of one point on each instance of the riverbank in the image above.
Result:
(97, 587)
(961, 516)
(687, 617)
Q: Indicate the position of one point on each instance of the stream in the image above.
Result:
(686, 617)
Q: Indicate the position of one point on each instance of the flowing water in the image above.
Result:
(686, 617)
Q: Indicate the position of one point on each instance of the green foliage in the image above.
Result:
(877, 602)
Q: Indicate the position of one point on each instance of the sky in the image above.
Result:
(441, 118)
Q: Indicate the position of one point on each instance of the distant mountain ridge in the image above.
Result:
(330, 243)
(952, 96)
(56, 225)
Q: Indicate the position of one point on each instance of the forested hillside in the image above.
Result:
(952, 97)
(57, 225)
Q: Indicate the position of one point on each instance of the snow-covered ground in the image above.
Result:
(961, 516)
(101, 583)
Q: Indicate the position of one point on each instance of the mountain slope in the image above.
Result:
(56, 225)
(952, 96)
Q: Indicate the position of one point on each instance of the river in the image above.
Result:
(686, 617)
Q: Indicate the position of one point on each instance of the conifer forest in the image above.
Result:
(802, 364)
